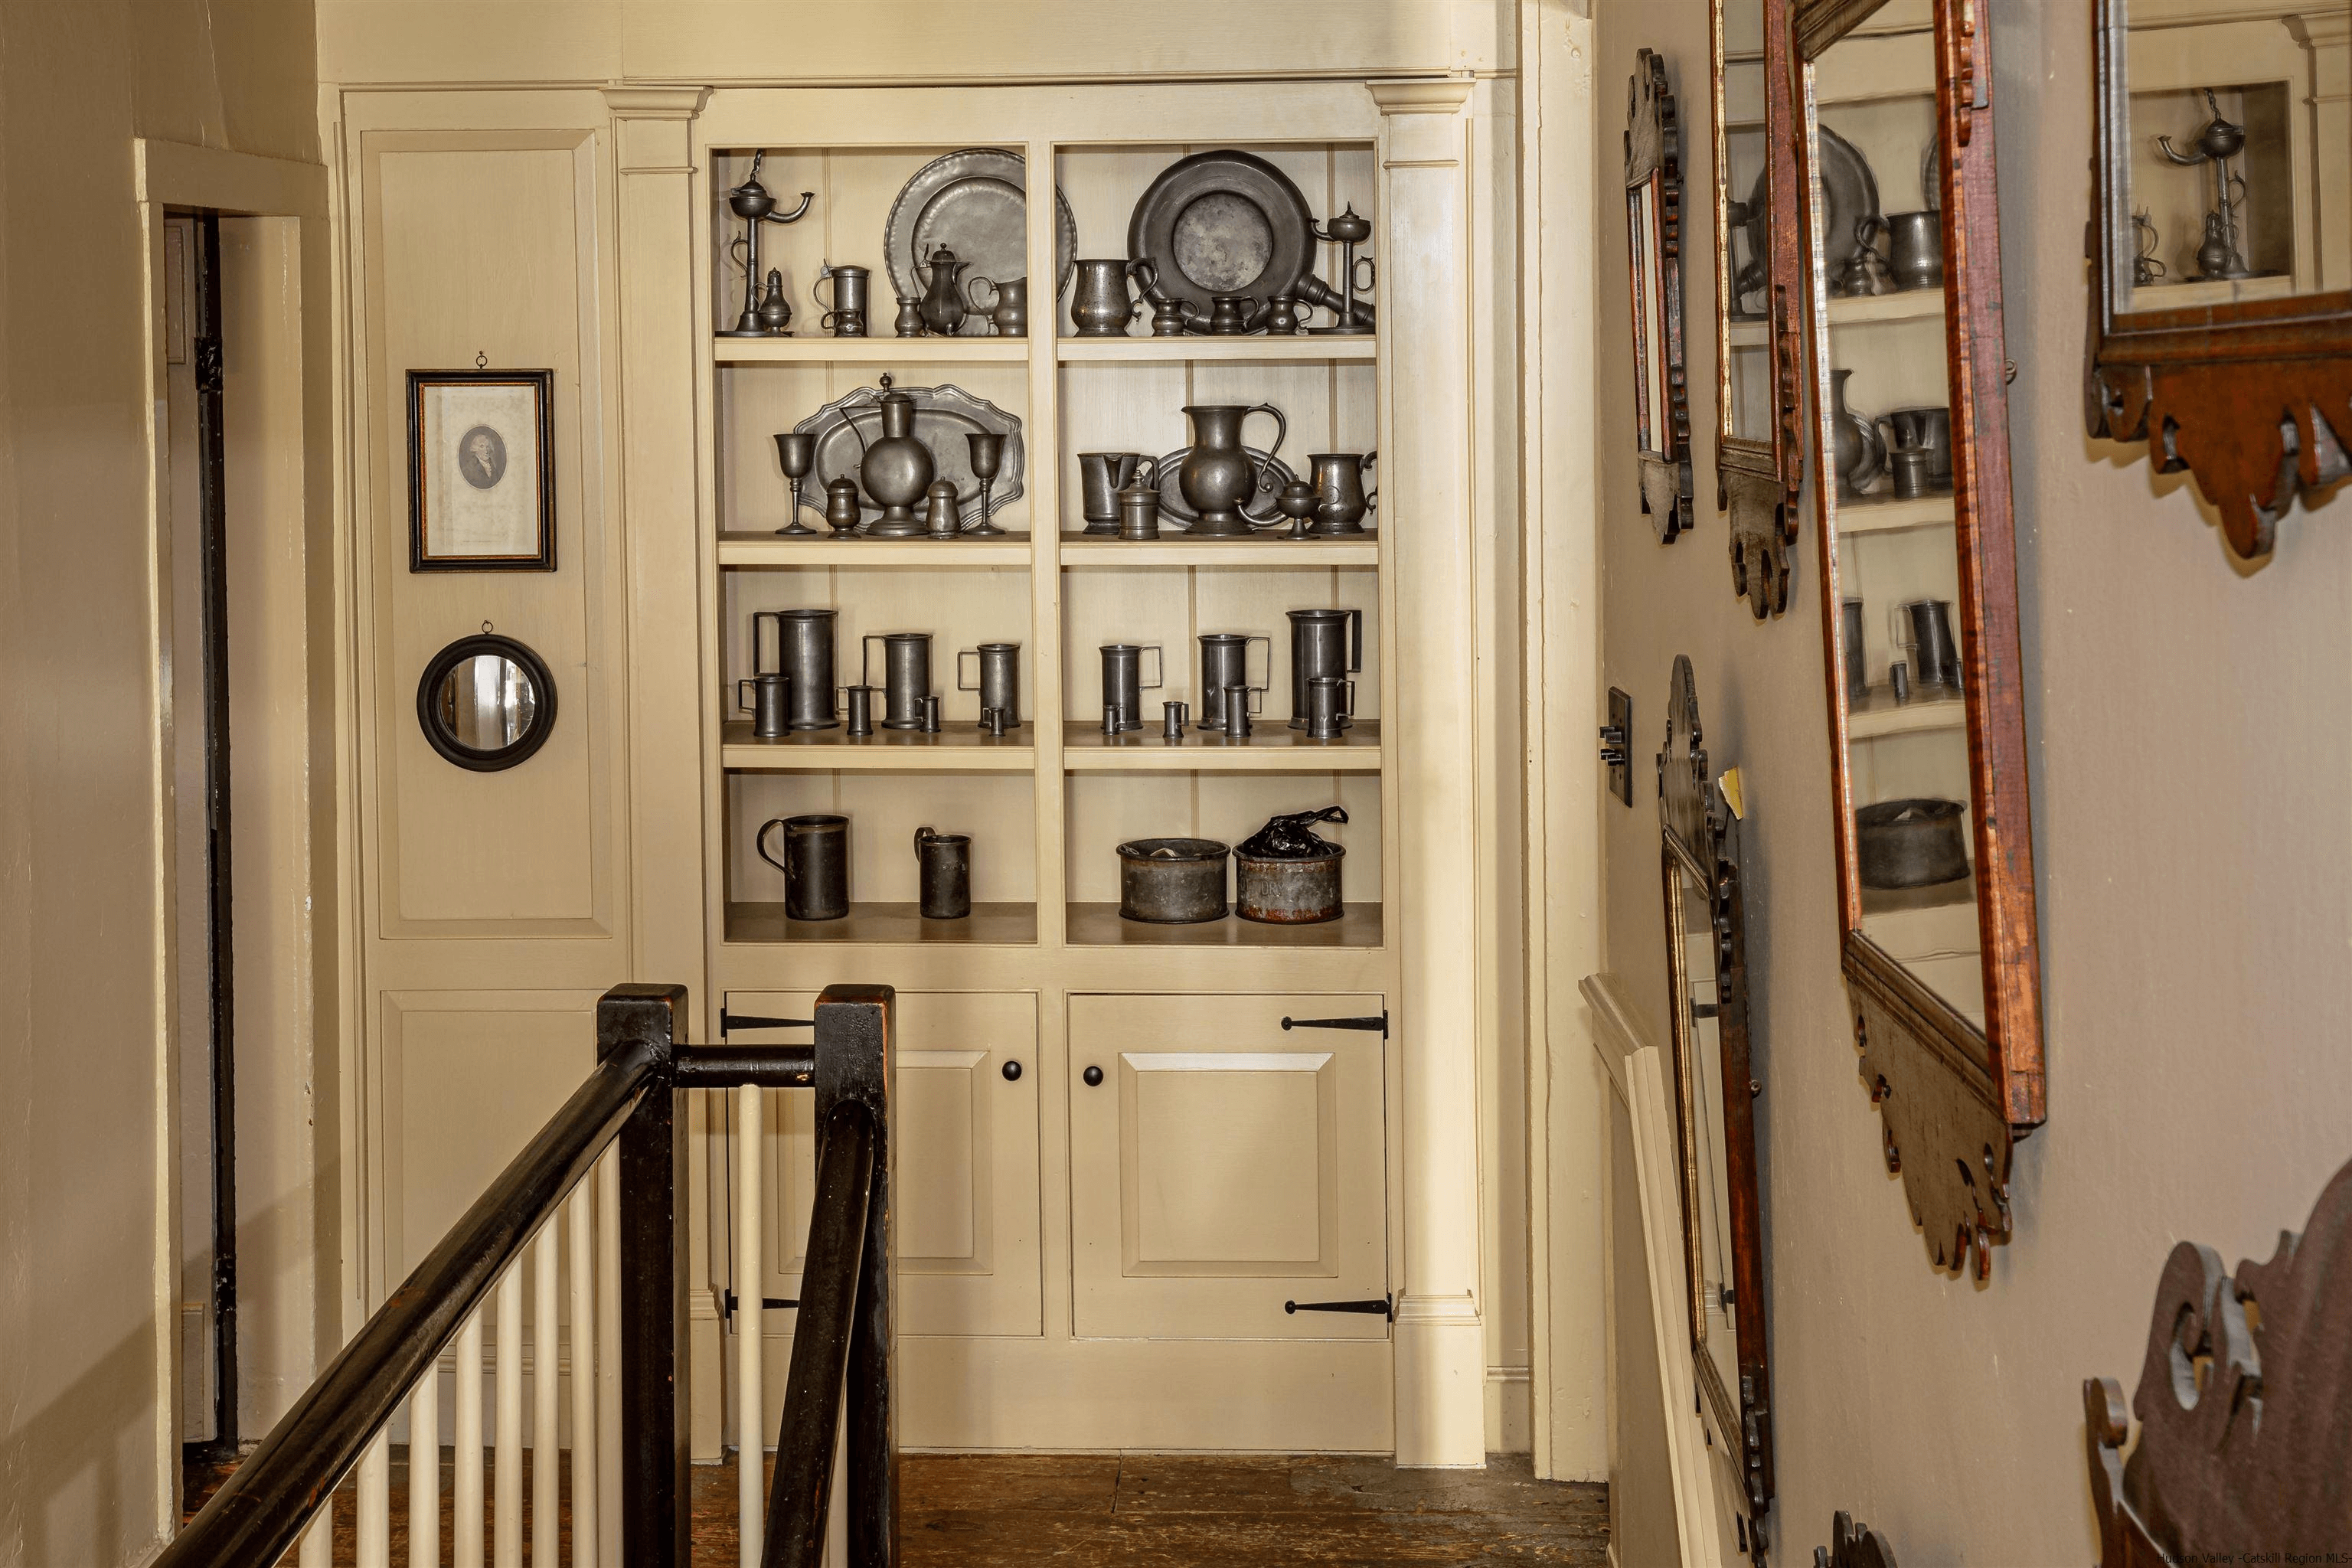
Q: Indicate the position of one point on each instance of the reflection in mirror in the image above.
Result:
(1876, 222)
(487, 702)
(1744, 261)
(1714, 1320)
(2238, 179)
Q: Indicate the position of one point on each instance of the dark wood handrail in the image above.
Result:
(262, 1508)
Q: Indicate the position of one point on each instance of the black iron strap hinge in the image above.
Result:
(730, 1022)
(1384, 1305)
(727, 1302)
(208, 364)
(1377, 1023)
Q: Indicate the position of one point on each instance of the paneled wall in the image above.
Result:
(496, 906)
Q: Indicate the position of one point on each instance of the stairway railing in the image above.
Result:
(631, 1508)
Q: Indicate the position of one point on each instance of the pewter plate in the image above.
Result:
(1223, 221)
(1260, 507)
(944, 415)
(1850, 193)
(976, 203)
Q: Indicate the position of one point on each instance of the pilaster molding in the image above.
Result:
(1426, 95)
(656, 103)
(653, 125)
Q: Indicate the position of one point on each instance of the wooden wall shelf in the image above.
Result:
(1176, 550)
(1879, 714)
(1272, 747)
(959, 747)
(866, 351)
(1099, 925)
(1887, 515)
(887, 925)
(764, 549)
(1237, 350)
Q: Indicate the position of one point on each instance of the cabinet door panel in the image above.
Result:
(964, 1159)
(1224, 1166)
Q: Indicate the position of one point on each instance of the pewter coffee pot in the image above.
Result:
(906, 675)
(1320, 645)
(943, 303)
(1217, 476)
(1341, 498)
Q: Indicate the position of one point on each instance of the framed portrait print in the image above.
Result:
(481, 471)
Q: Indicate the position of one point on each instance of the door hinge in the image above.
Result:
(1614, 740)
(1377, 1023)
(208, 364)
(1384, 1305)
(730, 1022)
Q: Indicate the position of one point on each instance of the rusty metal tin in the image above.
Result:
(1172, 881)
(1288, 892)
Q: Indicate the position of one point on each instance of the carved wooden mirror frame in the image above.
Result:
(1757, 481)
(2253, 398)
(1953, 1097)
(1699, 845)
(1654, 243)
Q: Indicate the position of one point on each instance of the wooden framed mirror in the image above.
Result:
(2221, 253)
(1758, 472)
(1715, 1097)
(1935, 845)
(1654, 243)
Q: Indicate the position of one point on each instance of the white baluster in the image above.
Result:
(750, 1296)
(375, 1502)
(582, 1214)
(318, 1536)
(608, 1360)
(506, 1470)
(465, 1492)
(546, 1452)
(424, 1469)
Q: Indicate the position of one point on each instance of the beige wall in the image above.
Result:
(87, 1451)
(2191, 728)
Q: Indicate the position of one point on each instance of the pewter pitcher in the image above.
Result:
(1218, 477)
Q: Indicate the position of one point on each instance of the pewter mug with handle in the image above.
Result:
(1341, 498)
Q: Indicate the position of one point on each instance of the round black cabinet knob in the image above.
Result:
(1093, 1077)
(1011, 1072)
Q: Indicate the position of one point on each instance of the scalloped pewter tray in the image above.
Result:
(944, 415)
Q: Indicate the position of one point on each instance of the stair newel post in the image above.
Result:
(854, 1052)
(654, 1437)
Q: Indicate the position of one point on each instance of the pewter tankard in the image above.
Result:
(1320, 645)
(1341, 498)
(1100, 306)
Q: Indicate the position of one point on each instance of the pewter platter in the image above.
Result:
(1261, 506)
(1850, 193)
(944, 415)
(1223, 221)
(976, 203)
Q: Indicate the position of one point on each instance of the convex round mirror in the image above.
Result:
(486, 702)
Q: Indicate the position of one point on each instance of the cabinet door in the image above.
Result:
(1224, 1166)
(963, 1149)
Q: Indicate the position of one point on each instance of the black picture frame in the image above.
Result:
(533, 502)
(481, 759)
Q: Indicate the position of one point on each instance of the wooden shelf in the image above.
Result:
(1263, 550)
(2196, 293)
(828, 350)
(1099, 925)
(1308, 349)
(1272, 747)
(1878, 714)
(957, 748)
(1910, 305)
(1009, 925)
(1886, 514)
(744, 549)
(1749, 334)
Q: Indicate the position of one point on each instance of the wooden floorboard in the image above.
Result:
(1155, 1511)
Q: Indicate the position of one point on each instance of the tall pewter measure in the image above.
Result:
(906, 675)
(1321, 645)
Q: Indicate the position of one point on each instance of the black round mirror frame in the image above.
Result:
(478, 759)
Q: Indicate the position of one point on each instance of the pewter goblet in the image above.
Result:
(797, 453)
(987, 462)
(1298, 502)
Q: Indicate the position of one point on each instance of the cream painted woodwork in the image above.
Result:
(964, 1172)
(1224, 1166)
